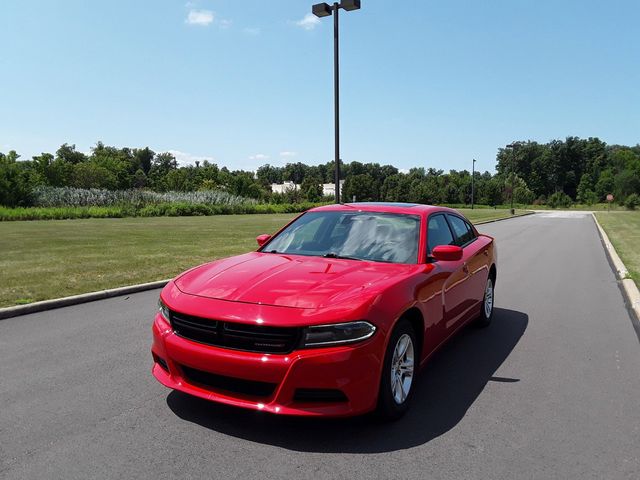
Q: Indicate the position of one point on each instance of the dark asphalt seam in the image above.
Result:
(635, 322)
(505, 218)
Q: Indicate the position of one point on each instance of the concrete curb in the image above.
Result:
(629, 287)
(506, 218)
(34, 307)
(76, 299)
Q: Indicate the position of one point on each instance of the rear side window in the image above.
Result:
(462, 230)
(438, 232)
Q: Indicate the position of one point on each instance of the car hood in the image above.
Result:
(291, 280)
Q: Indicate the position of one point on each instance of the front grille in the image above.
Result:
(228, 384)
(238, 336)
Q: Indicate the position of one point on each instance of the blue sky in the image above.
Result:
(243, 83)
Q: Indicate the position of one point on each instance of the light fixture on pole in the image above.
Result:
(473, 174)
(324, 10)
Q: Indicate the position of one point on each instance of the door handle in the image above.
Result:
(486, 253)
(465, 268)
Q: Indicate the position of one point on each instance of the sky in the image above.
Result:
(424, 83)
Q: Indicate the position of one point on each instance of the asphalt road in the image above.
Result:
(550, 390)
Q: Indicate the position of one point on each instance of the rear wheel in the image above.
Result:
(486, 312)
(398, 372)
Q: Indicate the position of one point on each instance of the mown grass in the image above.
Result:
(623, 229)
(40, 260)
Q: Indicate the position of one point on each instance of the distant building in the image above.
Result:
(284, 187)
(328, 189)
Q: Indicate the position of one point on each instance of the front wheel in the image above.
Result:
(486, 313)
(398, 371)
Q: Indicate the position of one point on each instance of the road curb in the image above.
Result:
(34, 307)
(505, 218)
(629, 288)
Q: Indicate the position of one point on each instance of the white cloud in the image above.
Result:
(202, 18)
(288, 154)
(309, 22)
(258, 156)
(189, 159)
(403, 170)
(251, 31)
(225, 23)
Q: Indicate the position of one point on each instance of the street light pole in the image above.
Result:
(473, 174)
(513, 146)
(336, 96)
(324, 10)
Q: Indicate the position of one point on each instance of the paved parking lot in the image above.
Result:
(550, 390)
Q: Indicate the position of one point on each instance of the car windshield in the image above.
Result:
(373, 236)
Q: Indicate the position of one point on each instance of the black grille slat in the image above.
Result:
(269, 334)
(238, 336)
(212, 327)
(228, 384)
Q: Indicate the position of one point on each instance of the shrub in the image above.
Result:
(154, 210)
(559, 199)
(632, 201)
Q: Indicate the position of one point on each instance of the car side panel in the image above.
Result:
(477, 259)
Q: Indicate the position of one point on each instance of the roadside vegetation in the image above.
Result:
(557, 174)
(623, 229)
(177, 209)
(50, 259)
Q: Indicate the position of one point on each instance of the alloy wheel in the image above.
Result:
(402, 367)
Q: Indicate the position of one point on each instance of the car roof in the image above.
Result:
(386, 207)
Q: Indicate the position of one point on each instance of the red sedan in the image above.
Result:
(333, 315)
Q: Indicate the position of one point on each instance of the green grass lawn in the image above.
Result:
(623, 229)
(46, 259)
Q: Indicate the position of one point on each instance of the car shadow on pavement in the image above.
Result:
(445, 390)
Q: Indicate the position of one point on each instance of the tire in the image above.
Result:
(486, 311)
(397, 383)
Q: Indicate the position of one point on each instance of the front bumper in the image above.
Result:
(352, 369)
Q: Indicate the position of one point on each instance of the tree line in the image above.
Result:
(574, 169)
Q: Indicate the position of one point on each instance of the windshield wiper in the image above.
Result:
(271, 251)
(342, 257)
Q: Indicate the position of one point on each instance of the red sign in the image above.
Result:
(609, 198)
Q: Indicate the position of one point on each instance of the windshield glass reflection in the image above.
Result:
(372, 236)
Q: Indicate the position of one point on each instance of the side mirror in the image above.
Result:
(262, 239)
(447, 253)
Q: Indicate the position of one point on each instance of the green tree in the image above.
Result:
(90, 175)
(68, 153)
(311, 188)
(605, 184)
(360, 186)
(16, 180)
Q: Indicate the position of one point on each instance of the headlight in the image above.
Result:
(337, 333)
(164, 310)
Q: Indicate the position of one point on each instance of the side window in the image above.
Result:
(472, 233)
(438, 232)
(463, 232)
